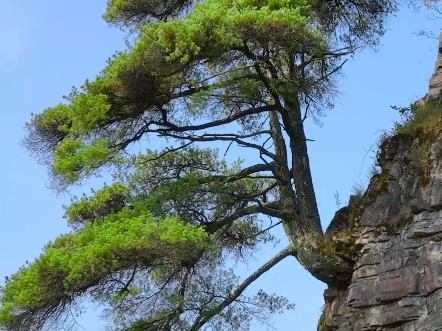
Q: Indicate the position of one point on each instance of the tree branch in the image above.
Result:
(207, 315)
(269, 209)
(193, 90)
(244, 172)
(322, 56)
(167, 126)
(205, 138)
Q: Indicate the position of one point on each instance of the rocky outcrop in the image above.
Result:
(397, 281)
(397, 229)
(435, 84)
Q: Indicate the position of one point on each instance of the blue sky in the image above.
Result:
(48, 46)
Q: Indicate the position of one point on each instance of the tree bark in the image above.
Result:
(310, 247)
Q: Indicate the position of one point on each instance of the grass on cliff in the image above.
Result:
(419, 117)
(424, 119)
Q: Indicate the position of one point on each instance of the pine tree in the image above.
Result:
(151, 246)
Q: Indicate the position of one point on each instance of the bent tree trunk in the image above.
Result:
(184, 82)
(300, 217)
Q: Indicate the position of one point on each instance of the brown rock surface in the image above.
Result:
(397, 279)
(397, 282)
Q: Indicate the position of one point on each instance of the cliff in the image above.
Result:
(435, 84)
(394, 231)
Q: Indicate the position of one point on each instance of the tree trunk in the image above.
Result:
(301, 219)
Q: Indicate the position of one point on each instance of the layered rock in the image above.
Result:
(396, 228)
(397, 282)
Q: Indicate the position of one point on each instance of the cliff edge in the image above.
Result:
(395, 231)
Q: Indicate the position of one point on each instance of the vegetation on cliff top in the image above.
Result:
(422, 121)
(420, 116)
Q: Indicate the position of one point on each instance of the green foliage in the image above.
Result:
(108, 200)
(125, 13)
(420, 156)
(188, 192)
(152, 247)
(76, 260)
(72, 157)
(357, 23)
(136, 81)
(425, 116)
(423, 120)
(397, 224)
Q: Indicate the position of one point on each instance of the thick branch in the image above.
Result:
(207, 315)
(322, 56)
(167, 126)
(281, 171)
(205, 138)
(194, 90)
(243, 173)
(300, 170)
(328, 74)
(269, 209)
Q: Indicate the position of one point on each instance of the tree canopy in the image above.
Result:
(152, 246)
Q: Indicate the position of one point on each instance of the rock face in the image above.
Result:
(435, 84)
(397, 282)
(397, 279)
